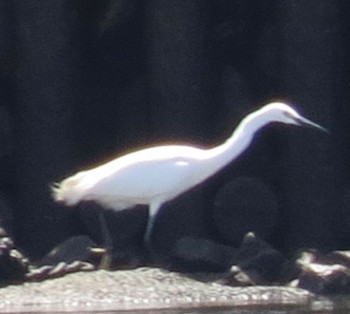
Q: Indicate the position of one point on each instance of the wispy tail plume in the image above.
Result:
(69, 191)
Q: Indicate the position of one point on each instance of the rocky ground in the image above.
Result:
(151, 288)
(77, 276)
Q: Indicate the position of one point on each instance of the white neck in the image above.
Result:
(219, 156)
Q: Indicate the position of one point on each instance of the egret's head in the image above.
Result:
(281, 112)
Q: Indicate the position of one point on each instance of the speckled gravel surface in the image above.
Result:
(143, 288)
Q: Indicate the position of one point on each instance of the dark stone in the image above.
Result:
(324, 273)
(127, 258)
(194, 254)
(237, 277)
(340, 257)
(44, 272)
(76, 248)
(13, 265)
(261, 262)
(244, 205)
(324, 279)
(319, 257)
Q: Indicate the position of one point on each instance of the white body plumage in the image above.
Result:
(155, 175)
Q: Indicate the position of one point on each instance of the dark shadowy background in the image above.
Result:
(83, 81)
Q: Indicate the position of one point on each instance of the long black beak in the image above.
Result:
(309, 124)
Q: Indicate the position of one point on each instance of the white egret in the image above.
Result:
(155, 175)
